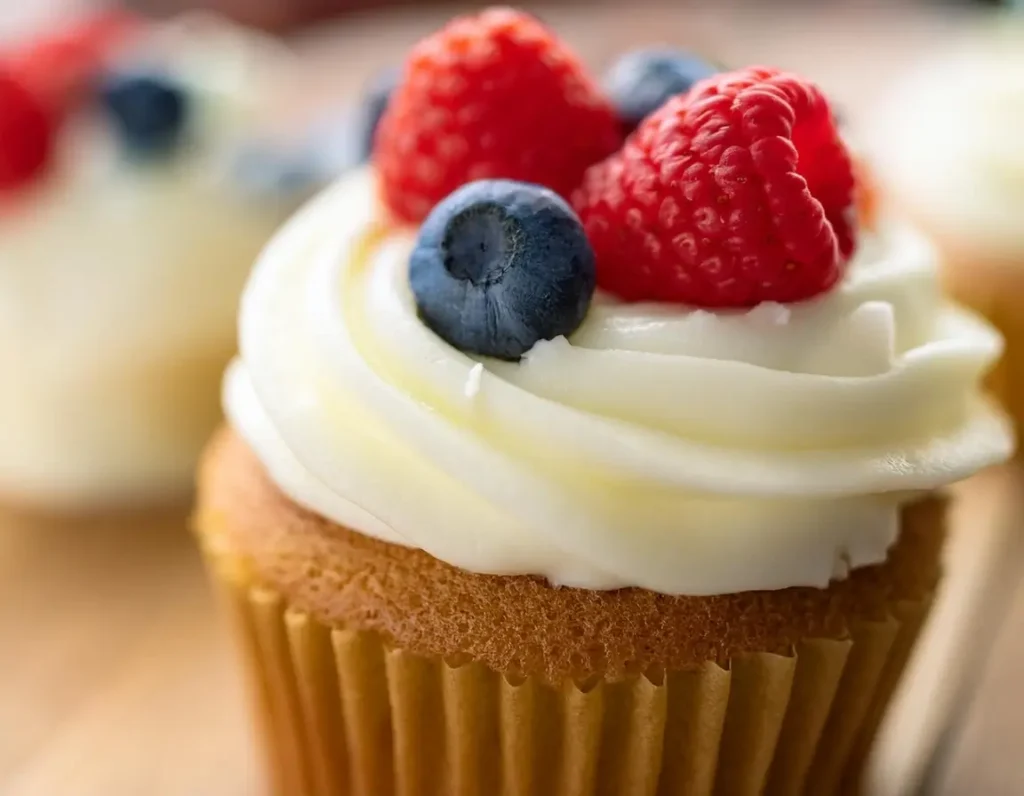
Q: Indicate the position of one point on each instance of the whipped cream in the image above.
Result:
(119, 284)
(947, 139)
(663, 447)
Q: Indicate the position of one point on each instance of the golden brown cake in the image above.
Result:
(427, 607)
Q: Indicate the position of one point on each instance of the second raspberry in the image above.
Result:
(495, 95)
(738, 192)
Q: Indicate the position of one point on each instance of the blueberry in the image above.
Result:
(642, 81)
(150, 112)
(500, 265)
(375, 101)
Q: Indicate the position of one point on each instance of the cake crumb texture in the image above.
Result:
(520, 625)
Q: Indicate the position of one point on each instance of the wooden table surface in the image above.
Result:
(117, 680)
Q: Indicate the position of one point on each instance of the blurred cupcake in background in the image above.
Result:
(132, 202)
(948, 142)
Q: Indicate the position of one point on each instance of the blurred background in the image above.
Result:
(92, 702)
(854, 46)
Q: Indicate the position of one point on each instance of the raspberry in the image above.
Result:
(60, 67)
(26, 133)
(738, 192)
(495, 95)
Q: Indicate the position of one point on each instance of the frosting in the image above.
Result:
(947, 139)
(662, 447)
(119, 284)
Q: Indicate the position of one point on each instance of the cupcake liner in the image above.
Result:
(341, 712)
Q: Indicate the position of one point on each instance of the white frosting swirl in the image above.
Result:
(668, 448)
(948, 140)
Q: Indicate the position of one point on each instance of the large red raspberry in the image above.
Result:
(495, 95)
(739, 192)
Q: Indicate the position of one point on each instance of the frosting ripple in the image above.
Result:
(662, 447)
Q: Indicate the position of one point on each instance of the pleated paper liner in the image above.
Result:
(342, 713)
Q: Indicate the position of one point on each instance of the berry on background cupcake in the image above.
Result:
(60, 66)
(26, 130)
(579, 444)
(150, 112)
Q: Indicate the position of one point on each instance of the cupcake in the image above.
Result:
(558, 464)
(127, 228)
(948, 140)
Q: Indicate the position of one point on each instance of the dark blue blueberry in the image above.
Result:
(375, 101)
(642, 81)
(150, 112)
(500, 265)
